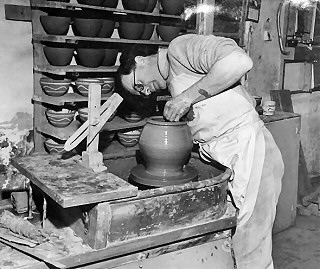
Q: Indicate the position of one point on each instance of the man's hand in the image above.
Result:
(175, 108)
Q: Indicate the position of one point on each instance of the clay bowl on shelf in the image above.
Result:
(110, 3)
(147, 32)
(172, 7)
(110, 57)
(54, 87)
(129, 138)
(82, 84)
(83, 114)
(54, 147)
(61, 118)
(58, 55)
(168, 32)
(130, 30)
(151, 5)
(88, 27)
(107, 28)
(137, 5)
(133, 117)
(89, 57)
(107, 85)
(54, 25)
(90, 2)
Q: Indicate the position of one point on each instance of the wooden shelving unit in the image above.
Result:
(41, 67)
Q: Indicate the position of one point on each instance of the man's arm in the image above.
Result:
(222, 74)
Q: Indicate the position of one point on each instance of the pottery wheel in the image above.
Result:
(141, 176)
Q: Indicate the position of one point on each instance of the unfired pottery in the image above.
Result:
(168, 32)
(54, 25)
(165, 148)
(58, 55)
(130, 30)
(172, 7)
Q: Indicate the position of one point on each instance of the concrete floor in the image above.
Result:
(298, 247)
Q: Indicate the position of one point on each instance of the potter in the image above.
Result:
(204, 72)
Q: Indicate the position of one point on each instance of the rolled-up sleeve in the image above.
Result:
(199, 53)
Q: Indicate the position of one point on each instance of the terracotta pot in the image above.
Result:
(86, 27)
(54, 25)
(60, 118)
(129, 138)
(58, 55)
(107, 28)
(138, 5)
(147, 32)
(151, 5)
(110, 3)
(54, 147)
(54, 87)
(82, 84)
(171, 7)
(165, 146)
(130, 30)
(168, 33)
(90, 2)
(89, 57)
(110, 57)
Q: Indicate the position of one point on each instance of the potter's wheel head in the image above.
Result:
(143, 177)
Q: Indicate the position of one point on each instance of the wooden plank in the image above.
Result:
(205, 19)
(143, 217)
(96, 40)
(226, 222)
(149, 254)
(63, 70)
(64, 133)
(67, 98)
(34, 254)
(70, 184)
(17, 12)
(75, 6)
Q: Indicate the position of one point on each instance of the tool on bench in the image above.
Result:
(97, 117)
(33, 254)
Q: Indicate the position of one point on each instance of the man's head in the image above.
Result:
(138, 72)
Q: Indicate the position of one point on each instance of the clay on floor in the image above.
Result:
(298, 247)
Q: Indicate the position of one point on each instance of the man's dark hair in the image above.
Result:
(143, 105)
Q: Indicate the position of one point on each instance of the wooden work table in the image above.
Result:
(128, 227)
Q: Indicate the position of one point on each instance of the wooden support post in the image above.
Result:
(205, 19)
(92, 158)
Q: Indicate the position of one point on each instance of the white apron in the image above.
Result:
(228, 130)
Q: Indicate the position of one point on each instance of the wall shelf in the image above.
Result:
(64, 133)
(96, 40)
(67, 98)
(80, 7)
(63, 70)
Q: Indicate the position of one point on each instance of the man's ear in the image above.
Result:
(140, 60)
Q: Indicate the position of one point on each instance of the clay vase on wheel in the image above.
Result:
(165, 148)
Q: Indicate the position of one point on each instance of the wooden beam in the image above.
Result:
(17, 12)
(205, 19)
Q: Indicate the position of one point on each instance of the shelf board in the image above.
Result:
(64, 133)
(60, 133)
(120, 124)
(62, 70)
(67, 98)
(77, 39)
(75, 6)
